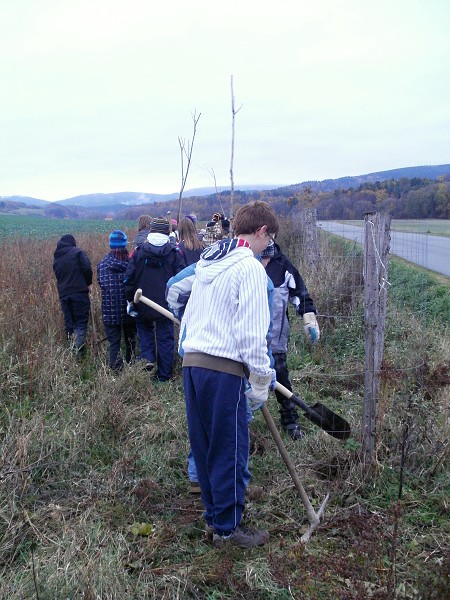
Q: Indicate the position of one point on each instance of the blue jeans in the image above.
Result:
(160, 349)
(75, 309)
(216, 412)
(114, 334)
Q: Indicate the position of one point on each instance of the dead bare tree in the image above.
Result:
(233, 113)
(186, 154)
(213, 175)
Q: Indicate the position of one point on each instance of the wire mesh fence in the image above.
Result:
(335, 370)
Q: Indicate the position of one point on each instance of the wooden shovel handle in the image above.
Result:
(138, 297)
(283, 390)
(312, 516)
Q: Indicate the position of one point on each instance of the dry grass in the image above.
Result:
(85, 454)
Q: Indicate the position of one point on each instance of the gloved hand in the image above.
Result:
(257, 391)
(131, 310)
(311, 327)
(273, 383)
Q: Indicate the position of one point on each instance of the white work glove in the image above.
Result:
(273, 383)
(311, 327)
(257, 391)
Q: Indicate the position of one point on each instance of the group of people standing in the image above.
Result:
(156, 256)
(232, 298)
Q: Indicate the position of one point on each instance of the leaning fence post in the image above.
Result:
(376, 251)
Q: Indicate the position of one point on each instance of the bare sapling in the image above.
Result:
(233, 115)
(186, 148)
(219, 201)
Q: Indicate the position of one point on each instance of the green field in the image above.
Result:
(38, 227)
(432, 226)
(14, 225)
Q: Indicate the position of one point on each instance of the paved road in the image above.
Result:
(430, 251)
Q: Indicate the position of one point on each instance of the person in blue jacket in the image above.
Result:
(150, 268)
(110, 275)
(73, 273)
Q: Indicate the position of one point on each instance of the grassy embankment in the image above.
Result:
(86, 455)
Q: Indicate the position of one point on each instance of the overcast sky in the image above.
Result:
(95, 93)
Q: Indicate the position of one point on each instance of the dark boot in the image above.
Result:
(289, 418)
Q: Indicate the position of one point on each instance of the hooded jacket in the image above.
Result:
(228, 315)
(110, 275)
(150, 268)
(141, 237)
(72, 268)
(289, 287)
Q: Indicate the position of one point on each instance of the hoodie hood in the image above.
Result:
(157, 239)
(221, 256)
(68, 239)
(64, 245)
(156, 253)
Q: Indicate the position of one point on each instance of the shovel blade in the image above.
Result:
(329, 421)
(319, 414)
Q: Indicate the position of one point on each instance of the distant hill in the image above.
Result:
(118, 198)
(25, 200)
(328, 185)
(101, 205)
(124, 199)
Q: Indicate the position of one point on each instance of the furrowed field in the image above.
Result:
(94, 497)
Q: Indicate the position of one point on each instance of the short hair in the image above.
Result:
(187, 233)
(144, 222)
(254, 215)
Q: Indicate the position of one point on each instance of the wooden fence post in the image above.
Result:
(310, 242)
(376, 250)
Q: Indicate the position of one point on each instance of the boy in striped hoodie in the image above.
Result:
(223, 333)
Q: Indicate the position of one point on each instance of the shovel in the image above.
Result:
(138, 297)
(320, 415)
(314, 518)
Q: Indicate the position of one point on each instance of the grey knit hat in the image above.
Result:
(160, 225)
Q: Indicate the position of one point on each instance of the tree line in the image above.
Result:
(414, 198)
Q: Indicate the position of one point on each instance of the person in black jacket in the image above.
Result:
(116, 321)
(143, 230)
(73, 273)
(288, 287)
(150, 268)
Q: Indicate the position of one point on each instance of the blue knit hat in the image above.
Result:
(118, 239)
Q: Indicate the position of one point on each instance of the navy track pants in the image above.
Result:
(218, 432)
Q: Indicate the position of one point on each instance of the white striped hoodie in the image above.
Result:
(228, 312)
